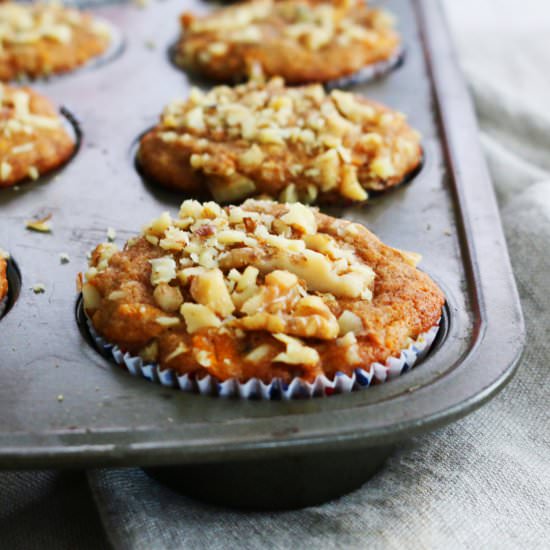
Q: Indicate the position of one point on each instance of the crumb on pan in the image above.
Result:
(300, 40)
(289, 143)
(264, 290)
(142, 4)
(38, 40)
(33, 140)
(41, 226)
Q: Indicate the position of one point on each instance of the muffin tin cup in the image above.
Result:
(366, 74)
(369, 72)
(362, 378)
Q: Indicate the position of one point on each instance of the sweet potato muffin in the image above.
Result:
(38, 40)
(301, 40)
(288, 143)
(263, 290)
(33, 140)
(3, 280)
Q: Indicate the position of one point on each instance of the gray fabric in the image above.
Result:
(483, 482)
(48, 509)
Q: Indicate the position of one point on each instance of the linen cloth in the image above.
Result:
(482, 482)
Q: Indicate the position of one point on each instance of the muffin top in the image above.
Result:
(300, 40)
(290, 143)
(33, 139)
(3, 276)
(37, 40)
(262, 290)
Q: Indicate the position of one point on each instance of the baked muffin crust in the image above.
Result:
(301, 40)
(33, 140)
(3, 278)
(38, 40)
(288, 143)
(263, 291)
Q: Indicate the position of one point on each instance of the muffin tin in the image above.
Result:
(64, 405)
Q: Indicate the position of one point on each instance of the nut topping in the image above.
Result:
(234, 267)
(241, 287)
(290, 143)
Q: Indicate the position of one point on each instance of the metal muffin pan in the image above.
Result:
(64, 405)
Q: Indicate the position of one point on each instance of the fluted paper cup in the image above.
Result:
(361, 378)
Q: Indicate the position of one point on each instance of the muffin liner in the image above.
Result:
(369, 72)
(254, 388)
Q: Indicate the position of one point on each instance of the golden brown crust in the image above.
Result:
(287, 143)
(301, 40)
(33, 140)
(39, 40)
(3, 279)
(125, 304)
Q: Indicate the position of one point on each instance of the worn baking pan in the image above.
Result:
(63, 405)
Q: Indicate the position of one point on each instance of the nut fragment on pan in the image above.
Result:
(301, 40)
(38, 40)
(263, 290)
(33, 140)
(289, 143)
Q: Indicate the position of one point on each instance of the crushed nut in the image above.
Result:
(335, 142)
(247, 268)
(163, 270)
(111, 234)
(41, 225)
(198, 316)
(297, 353)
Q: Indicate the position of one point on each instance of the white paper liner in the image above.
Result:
(369, 72)
(361, 378)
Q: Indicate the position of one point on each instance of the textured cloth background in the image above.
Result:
(48, 510)
(483, 482)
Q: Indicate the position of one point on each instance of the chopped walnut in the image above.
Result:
(262, 288)
(291, 143)
(245, 270)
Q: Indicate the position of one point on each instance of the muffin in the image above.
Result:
(263, 291)
(303, 41)
(38, 40)
(285, 143)
(33, 140)
(3, 280)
